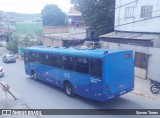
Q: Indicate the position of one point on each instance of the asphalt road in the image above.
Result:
(37, 94)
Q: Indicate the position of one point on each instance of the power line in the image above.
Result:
(138, 15)
(126, 4)
(137, 21)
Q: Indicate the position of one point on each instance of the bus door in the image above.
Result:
(81, 76)
(67, 68)
(32, 62)
(27, 62)
(42, 65)
(54, 69)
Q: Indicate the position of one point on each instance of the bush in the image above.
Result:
(13, 46)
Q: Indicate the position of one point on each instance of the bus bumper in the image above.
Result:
(107, 97)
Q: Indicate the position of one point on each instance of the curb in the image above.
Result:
(142, 94)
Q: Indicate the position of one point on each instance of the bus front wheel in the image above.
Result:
(69, 89)
(33, 75)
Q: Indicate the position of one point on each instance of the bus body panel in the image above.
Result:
(118, 72)
(81, 84)
(54, 76)
(96, 86)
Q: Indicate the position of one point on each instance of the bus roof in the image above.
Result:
(99, 53)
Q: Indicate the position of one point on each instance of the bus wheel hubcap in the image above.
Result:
(68, 90)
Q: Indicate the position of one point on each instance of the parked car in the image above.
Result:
(9, 58)
(1, 71)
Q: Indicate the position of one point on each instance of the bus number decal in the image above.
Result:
(93, 80)
(67, 75)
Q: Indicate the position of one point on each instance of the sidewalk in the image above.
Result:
(142, 88)
(11, 103)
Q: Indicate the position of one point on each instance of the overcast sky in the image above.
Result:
(32, 6)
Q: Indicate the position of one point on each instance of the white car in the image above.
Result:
(9, 58)
(1, 71)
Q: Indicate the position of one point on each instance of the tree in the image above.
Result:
(13, 46)
(98, 14)
(53, 16)
(26, 41)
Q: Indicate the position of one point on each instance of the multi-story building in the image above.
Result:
(137, 27)
(137, 16)
(74, 18)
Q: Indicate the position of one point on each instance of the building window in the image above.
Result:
(146, 11)
(129, 12)
(141, 60)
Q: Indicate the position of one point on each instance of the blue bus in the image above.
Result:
(96, 74)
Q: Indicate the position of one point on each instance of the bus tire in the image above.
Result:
(68, 89)
(33, 75)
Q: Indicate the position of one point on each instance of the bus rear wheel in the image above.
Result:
(69, 89)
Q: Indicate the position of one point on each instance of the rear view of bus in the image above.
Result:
(118, 74)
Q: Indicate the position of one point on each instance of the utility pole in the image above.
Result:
(8, 28)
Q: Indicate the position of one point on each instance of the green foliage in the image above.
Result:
(98, 14)
(39, 33)
(13, 46)
(27, 41)
(53, 16)
(27, 27)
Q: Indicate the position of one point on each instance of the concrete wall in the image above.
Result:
(55, 30)
(151, 25)
(154, 64)
(52, 42)
(77, 33)
(153, 70)
(67, 32)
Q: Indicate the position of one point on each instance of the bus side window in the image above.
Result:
(82, 65)
(26, 57)
(96, 67)
(45, 59)
(52, 59)
(31, 56)
(57, 61)
(70, 63)
(37, 57)
(67, 62)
